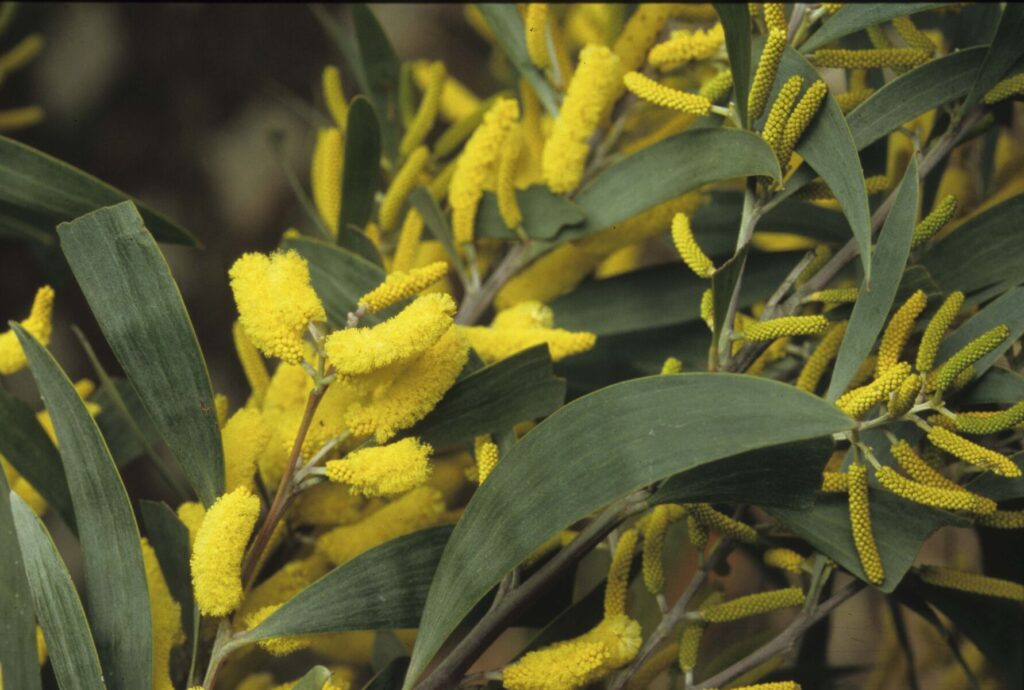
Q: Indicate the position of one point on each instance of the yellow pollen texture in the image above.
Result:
(39, 323)
(400, 285)
(785, 326)
(649, 90)
(325, 176)
(940, 379)
(401, 186)
(684, 45)
(784, 559)
(898, 331)
(166, 617)
(972, 453)
(860, 522)
(383, 470)
(690, 252)
(948, 499)
(752, 605)
(764, 77)
(969, 582)
(218, 551)
(935, 330)
(870, 58)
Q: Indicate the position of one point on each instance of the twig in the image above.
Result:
(477, 301)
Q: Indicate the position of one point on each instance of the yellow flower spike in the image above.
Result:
(911, 35)
(783, 559)
(800, 120)
(940, 379)
(400, 285)
(508, 205)
(775, 16)
(457, 101)
(536, 34)
(896, 58)
(592, 88)
(383, 470)
(853, 98)
(775, 123)
(934, 221)
(334, 96)
(166, 616)
(191, 514)
(404, 336)
(218, 551)
(253, 367)
(293, 577)
(752, 605)
(860, 521)
(823, 354)
(20, 118)
(276, 302)
(494, 344)
(905, 396)
(400, 187)
(245, 435)
(764, 77)
(834, 482)
(649, 90)
(857, 401)
(972, 453)
(777, 685)
(936, 497)
(39, 323)
(277, 646)
(707, 308)
(408, 242)
(640, 33)
(936, 330)
(834, 296)
(325, 175)
(819, 191)
(696, 531)
(980, 423)
(654, 544)
(20, 55)
(426, 114)
(898, 331)
(832, 7)
(653, 666)
(420, 508)
(671, 365)
(718, 87)
(729, 527)
(970, 582)
(530, 314)
(689, 645)
(486, 453)
(618, 574)
(1011, 86)
(220, 408)
(822, 255)
(921, 471)
(684, 45)
(416, 392)
(690, 252)
(1002, 519)
(477, 162)
(785, 326)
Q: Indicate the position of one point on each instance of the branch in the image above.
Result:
(477, 301)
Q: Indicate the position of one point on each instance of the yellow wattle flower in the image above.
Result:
(979, 423)
(858, 401)
(24, 489)
(400, 285)
(651, 91)
(486, 453)
(853, 98)
(408, 245)
(905, 58)
(936, 329)
(911, 35)
(934, 221)
(531, 314)
(592, 88)
(970, 582)
(494, 344)
(914, 465)
(401, 186)
(718, 87)
(690, 252)
(191, 514)
(860, 522)
(972, 453)
(846, 295)
(253, 367)
(764, 76)
(166, 619)
(771, 329)
(684, 45)
(776, 685)
(689, 645)
(1002, 519)
(277, 646)
(508, 205)
(457, 101)
(426, 114)
(220, 408)
(384, 470)
(671, 365)
(778, 114)
(276, 302)
(218, 550)
(752, 605)
(293, 577)
(640, 33)
(334, 96)
(39, 323)
(245, 435)
(536, 34)
(654, 544)
(775, 16)
(940, 379)
(707, 308)
(784, 559)
(905, 397)
(325, 175)
(895, 336)
(618, 574)
(834, 482)
(734, 529)
(934, 496)
(1011, 86)
(800, 119)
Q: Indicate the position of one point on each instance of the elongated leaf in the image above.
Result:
(18, 622)
(361, 172)
(71, 649)
(40, 191)
(667, 169)
(788, 476)
(544, 214)
(723, 285)
(494, 398)
(436, 222)
(131, 292)
(390, 677)
(510, 35)
(875, 301)
(1005, 50)
(382, 69)
(169, 539)
(899, 526)
(999, 386)
(27, 447)
(114, 572)
(735, 18)
(314, 679)
(125, 436)
(1008, 309)
(382, 588)
(853, 17)
(607, 445)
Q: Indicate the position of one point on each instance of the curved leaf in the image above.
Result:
(544, 214)
(39, 191)
(361, 171)
(875, 300)
(1008, 309)
(1005, 50)
(18, 622)
(131, 292)
(114, 572)
(381, 68)
(71, 649)
(735, 18)
(605, 445)
(510, 35)
(853, 17)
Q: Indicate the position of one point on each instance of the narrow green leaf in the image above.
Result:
(361, 172)
(386, 648)
(126, 437)
(382, 69)
(735, 18)
(1007, 47)
(41, 191)
(276, 141)
(390, 678)
(18, 622)
(999, 386)
(1000, 488)
(436, 222)
(114, 573)
(609, 444)
(71, 649)
(131, 292)
(382, 588)
(875, 299)
(1008, 309)
(723, 284)
(343, 36)
(496, 397)
(314, 679)
(853, 17)
(667, 169)
(544, 214)
(169, 539)
(510, 35)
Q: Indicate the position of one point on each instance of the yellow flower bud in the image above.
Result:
(640, 33)
(191, 514)
(834, 482)
(775, 123)
(898, 331)
(972, 453)
(940, 379)
(408, 246)
(494, 344)
(764, 77)
(401, 186)
(771, 329)
(486, 453)
(697, 532)
(457, 101)
(508, 205)
(858, 401)
(934, 221)
(531, 314)
(218, 551)
(860, 522)
(871, 58)
(649, 90)
(618, 574)
(400, 285)
(752, 605)
(684, 45)
(1011, 86)
(935, 331)
(835, 296)
(799, 120)
(853, 98)
(905, 396)
(39, 323)
(671, 366)
(978, 423)
(689, 645)
(911, 35)
(426, 114)
(1002, 519)
(691, 253)
(969, 582)
(166, 619)
(383, 470)
(718, 87)
(784, 559)
(244, 436)
(536, 33)
(707, 308)
(778, 685)
(325, 175)
(709, 517)
(947, 499)
(334, 96)
(654, 544)
(277, 646)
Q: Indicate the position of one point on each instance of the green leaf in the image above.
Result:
(361, 171)
(875, 300)
(382, 588)
(1008, 309)
(608, 444)
(736, 23)
(382, 69)
(1005, 50)
(544, 214)
(787, 476)
(667, 169)
(71, 649)
(899, 526)
(496, 397)
(18, 623)
(510, 35)
(39, 191)
(853, 17)
(131, 292)
(435, 221)
(27, 447)
(723, 284)
(169, 539)
(343, 35)
(314, 679)
(126, 436)
(390, 678)
(114, 572)
(1000, 488)
(999, 386)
